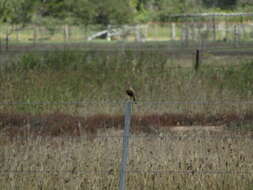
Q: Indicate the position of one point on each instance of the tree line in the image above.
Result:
(105, 12)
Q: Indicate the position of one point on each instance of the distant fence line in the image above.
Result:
(138, 103)
(181, 172)
(216, 49)
(211, 14)
(212, 30)
(149, 136)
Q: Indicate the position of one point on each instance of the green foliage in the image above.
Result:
(14, 11)
(113, 12)
(54, 61)
(107, 11)
(83, 75)
(223, 4)
(235, 78)
(240, 78)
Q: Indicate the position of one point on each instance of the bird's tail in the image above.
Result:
(134, 99)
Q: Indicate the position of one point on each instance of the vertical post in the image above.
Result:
(197, 62)
(138, 35)
(123, 165)
(146, 32)
(214, 28)
(226, 29)
(223, 31)
(35, 34)
(186, 34)
(173, 31)
(109, 31)
(7, 39)
(239, 29)
(66, 32)
(235, 36)
(242, 27)
(17, 33)
(7, 42)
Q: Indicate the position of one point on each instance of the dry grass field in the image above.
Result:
(61, 121)
(168, 151)
(193, 159)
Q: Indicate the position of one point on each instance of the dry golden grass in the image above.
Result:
(194, 159)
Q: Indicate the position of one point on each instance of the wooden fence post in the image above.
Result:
(173, 31)
(214, 28)
(7, 42)
(197, 60)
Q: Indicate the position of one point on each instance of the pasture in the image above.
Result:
(61, 118)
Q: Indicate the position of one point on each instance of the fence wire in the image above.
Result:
(139, 102)
(110, 172)
(147, 138)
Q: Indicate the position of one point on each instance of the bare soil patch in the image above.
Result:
(203, 128)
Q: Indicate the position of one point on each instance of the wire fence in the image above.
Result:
(121, 102)
(201, 136)
(106, 172)
(193, 152)
(194, 33)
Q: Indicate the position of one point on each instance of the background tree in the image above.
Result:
(223, 4)
(84, 12)
(113, 12)
(15, 11)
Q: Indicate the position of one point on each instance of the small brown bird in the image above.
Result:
(130, 92)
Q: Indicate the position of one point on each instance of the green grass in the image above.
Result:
(51, 34)
(60, 76)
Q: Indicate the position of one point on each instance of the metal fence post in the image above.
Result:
(123, 165)
(197, 60)
(7, 43)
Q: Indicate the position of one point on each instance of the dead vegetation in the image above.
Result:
(193, 160)
(60, 124)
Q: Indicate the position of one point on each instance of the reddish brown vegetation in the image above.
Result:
(58, 124)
